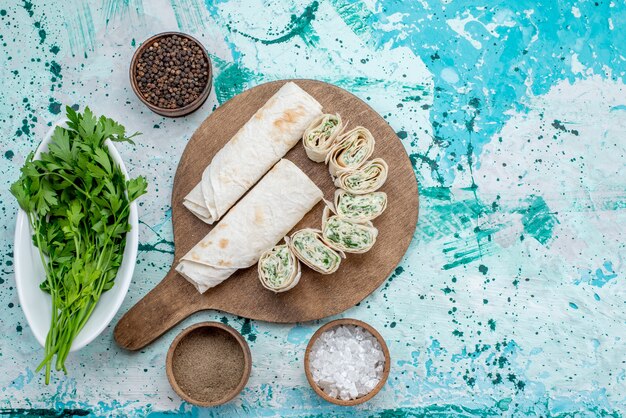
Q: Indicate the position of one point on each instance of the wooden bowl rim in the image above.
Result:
(247, 358)
(386, 368)
(179, 111)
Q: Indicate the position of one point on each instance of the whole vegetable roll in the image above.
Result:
(348, 236)
(279, 269)
(308, 246)
(360, 208)
(320, 136)
(365, 179)
(272, 131)
(351, 150)
(264, 216)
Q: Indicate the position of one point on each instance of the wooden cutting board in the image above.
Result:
(316, 296)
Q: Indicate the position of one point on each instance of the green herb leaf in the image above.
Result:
(87, 124)
(60, 146)
(77, 200)
(136, 187)
(20, 191)
(102, 157)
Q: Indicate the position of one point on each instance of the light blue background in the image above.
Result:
(510, 300)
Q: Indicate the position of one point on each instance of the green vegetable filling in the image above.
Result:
(358, 206)
(315, 251)
(323, 132)
(277, 267)
(363, 179)
(354, 154)
(347, 235)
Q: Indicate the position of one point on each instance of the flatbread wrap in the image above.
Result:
(348, 236)
(368, 178)
(272, 131)
(320, 136)
(351, 150)
(308, 246)
(254, 225)
(279, 268)
(360, 207)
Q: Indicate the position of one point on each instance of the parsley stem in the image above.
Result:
(77, 200)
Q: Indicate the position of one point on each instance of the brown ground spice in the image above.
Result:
(208, 364)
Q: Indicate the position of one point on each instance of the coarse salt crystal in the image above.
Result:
(347, 362)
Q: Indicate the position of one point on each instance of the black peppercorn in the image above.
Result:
(171, 72)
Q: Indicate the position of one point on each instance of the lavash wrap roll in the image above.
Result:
(307, 244)
(348, 236)
(320, 136)
(279, 268)
(366, 179)
(272, 131)
(258, 221)
(351, 150)
(360, 207)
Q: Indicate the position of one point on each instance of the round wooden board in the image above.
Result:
(316, 296)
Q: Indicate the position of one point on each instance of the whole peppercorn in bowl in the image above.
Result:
(171, 74)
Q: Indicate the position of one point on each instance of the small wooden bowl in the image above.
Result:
(247, 357)
(386, 367)
(179, 111)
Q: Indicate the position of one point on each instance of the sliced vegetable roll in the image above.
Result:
(308, 246)
(365, 179)
(279, 269)
(360, 208)
(348, 236)
(351, 150)
(320, 136)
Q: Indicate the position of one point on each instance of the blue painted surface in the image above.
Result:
(511, 299)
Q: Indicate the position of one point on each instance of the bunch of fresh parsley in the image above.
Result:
(78, 204)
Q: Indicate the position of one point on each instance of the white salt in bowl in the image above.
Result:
(307, 362)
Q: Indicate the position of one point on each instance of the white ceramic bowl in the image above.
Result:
(29, 273)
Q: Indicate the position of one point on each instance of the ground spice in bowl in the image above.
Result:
(171, 74)
(207, 364)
